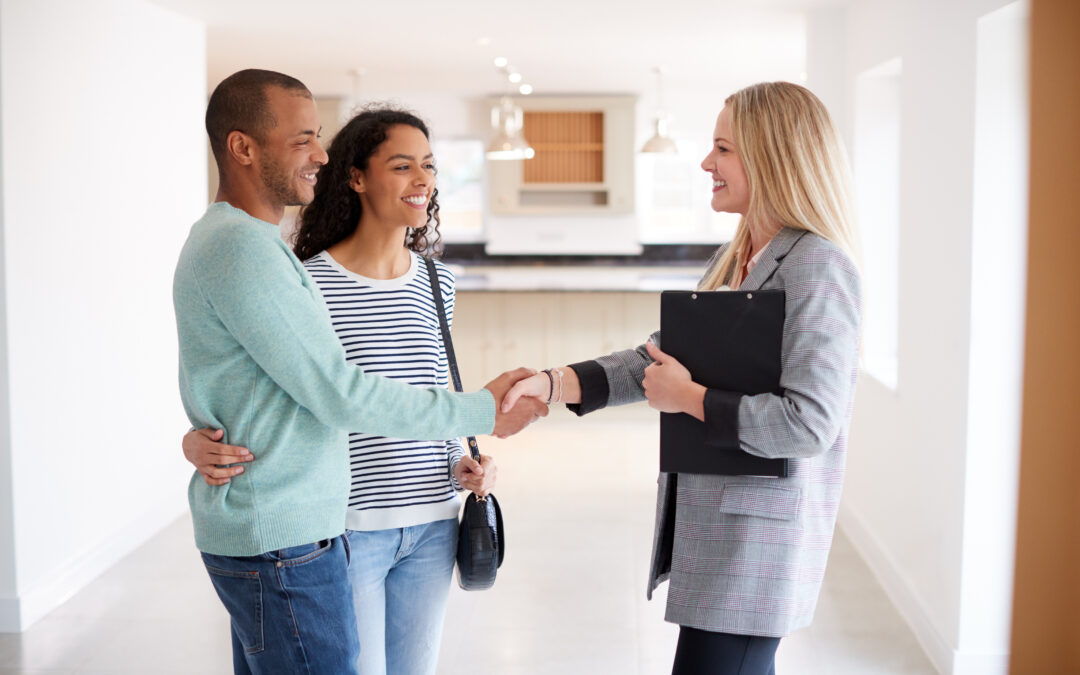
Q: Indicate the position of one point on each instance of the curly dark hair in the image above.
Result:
(335, 211)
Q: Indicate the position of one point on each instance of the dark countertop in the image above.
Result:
(652, 255)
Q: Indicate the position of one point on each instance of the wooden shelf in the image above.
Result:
(564, 187)
(540, 146)
(569, 146)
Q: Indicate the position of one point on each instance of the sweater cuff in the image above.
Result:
(454, 461)
(594, 387)
(722, 418)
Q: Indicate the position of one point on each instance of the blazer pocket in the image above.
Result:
(781, 503)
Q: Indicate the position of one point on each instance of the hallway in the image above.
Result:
(579, 609)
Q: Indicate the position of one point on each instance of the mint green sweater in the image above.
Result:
(259, 359)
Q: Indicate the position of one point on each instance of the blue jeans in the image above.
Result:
(400, 579)
(290, 609)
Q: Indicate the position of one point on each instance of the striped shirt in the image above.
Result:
(390, 327)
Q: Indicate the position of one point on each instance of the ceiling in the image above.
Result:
(560, 46)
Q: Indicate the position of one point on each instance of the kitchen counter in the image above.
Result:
(575, 278)
(658, 268)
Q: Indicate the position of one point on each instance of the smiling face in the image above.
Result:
(399, 179)
(290, 154)
(730, 189)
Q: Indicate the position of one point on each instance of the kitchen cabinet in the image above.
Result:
(584, 162)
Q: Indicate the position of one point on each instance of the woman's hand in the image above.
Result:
(669, 388)
(203, 449)
(534, 386)
(477, 477)
(567, 388)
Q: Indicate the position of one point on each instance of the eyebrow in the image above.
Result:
(408, 157)
(721, 138)
(308, 132)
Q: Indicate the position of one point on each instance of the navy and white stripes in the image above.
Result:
(390, 327)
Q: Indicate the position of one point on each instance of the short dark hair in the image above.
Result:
(239, 103)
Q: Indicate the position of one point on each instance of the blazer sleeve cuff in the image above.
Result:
(594, 388)
(722, 418)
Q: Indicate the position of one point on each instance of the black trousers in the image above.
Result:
(702, 652)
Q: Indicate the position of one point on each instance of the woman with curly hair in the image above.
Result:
(374, 215)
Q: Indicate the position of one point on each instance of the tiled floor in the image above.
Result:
(578, 501)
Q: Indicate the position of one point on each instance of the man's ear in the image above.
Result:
(240, 147)
(356, 180)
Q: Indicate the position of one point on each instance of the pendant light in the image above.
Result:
(507, 121)
(508, 142)
(660, 141)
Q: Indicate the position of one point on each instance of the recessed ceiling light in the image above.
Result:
(500, 62)
(514, 77)
(525, 89)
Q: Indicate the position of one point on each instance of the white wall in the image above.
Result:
(998, 289)
(915, 502)
(104, 170)
(7, 515)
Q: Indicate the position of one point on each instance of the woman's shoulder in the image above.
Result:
(813, 250)
(317, 260)
(445, 274)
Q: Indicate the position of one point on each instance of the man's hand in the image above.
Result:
(525, 411)
(203, 449)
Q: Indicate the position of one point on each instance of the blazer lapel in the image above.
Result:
(775, 251)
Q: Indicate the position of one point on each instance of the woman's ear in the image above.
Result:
(356, 180)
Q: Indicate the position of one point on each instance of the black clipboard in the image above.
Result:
(728, 340)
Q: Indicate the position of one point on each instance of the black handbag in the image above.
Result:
(481, 545)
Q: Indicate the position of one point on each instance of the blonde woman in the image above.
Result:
(746, 555)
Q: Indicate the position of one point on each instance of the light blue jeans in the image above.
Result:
(400, 582)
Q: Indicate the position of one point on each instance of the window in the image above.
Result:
(461, 188)
(674, 196)
(877, 181)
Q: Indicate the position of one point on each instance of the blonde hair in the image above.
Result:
(796, 170)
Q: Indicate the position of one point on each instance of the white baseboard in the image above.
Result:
(20, 613)
(943, 656)
(898, 588)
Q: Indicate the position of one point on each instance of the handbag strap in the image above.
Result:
(451, 359)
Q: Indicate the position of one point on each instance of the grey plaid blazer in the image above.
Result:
(746, 555)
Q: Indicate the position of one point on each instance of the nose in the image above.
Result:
(320, 156)
(706, 164)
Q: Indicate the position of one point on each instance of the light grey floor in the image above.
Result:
(564, 604)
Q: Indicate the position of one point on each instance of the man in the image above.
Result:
(259, 359)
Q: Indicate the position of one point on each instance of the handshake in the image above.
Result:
(522, 395)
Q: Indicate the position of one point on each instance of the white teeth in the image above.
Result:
(418, 200)
(719, 183)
